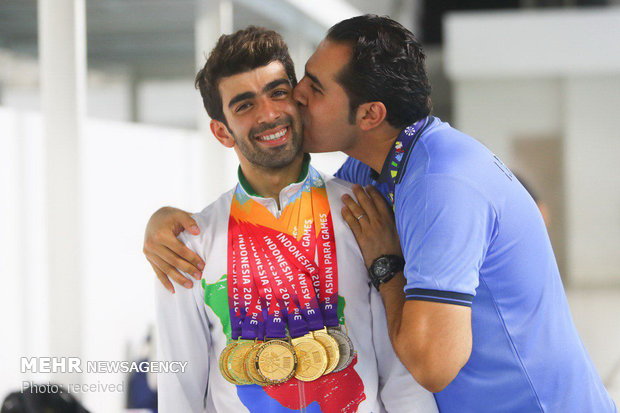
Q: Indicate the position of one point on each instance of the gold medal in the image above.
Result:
(311, 358)
(345, 347)
(331, 348)
(223, 362)
(236, 361)
(276, 361)
(250, 365)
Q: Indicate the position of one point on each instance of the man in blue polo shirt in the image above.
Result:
(484, 322)
(473, 237)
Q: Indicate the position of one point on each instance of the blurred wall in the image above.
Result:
(533, 83)
(127, 171)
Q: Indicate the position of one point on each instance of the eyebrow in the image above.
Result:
(314, 79)
(275, 83)
(249, 95)
(240, 97)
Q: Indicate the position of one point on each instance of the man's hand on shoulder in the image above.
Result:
(372, 223)
(166, 254)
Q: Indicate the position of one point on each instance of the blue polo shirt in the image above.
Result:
(473, 236)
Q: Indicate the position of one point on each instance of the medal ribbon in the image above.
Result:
(307, 292)
(284, 281)
(305, 222)
(297, 269)
(325, 275)
(328, 268)
(317, 235)
(274, 324)
(234, 298)
(252, 324)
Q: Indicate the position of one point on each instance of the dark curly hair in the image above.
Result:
(387, 65)
(240, 52)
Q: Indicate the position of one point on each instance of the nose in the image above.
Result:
(269, 111)
(300, 93)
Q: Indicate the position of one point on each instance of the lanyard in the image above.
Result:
(280, 255)
(328, 264)
(282, 276)
(392, 170)
(275, 326)
(246, 314)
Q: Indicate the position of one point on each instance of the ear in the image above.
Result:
(221, 133)
(370, 115)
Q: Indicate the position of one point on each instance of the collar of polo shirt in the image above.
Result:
(250, 191)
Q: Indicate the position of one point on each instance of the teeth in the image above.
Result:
(274, 136)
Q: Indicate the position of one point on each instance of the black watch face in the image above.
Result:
(382, 267)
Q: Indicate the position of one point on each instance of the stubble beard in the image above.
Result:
(271, 158)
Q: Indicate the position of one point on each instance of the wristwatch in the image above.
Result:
(384, 268)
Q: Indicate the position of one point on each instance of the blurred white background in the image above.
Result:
(100, 125)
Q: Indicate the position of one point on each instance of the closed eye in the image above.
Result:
(242, 107)
(279, 93)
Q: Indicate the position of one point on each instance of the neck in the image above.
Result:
(374, 146)
(269, 182)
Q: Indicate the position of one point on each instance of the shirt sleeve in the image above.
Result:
(354, 171)
(182, 336)
(445, 226)
(398, 390)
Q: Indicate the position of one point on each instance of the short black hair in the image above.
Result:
(387, 65)
(240, 52)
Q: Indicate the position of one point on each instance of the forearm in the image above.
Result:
(393, 296)
(393, 376)
(432, 340)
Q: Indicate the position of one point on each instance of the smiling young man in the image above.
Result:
(283, 318)
(483, 321)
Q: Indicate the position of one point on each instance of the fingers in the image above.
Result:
(188, 223)
(171, 272)
(173, 260)
(379, 201)
(163, 278)
(167, 247)
(165, 252)
(365, 202)
(357, 211)
(351, 221)
(187, 260)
